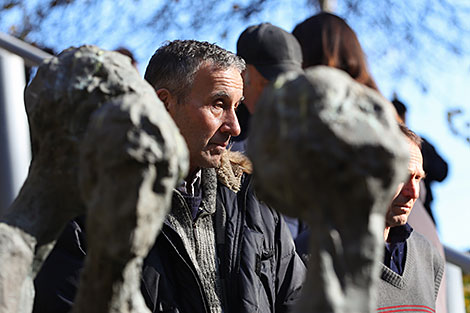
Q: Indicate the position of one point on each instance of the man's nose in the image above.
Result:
(231, 124)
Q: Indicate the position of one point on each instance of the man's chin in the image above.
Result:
(212, 161)
(398, 221)
(216, 150)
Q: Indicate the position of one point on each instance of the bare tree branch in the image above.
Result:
(403, 34)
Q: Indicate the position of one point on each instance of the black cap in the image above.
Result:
(270, 49)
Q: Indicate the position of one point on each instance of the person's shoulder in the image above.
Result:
(430, 258)
(426, 248)
(419, 239)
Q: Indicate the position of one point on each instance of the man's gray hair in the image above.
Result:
(174, 65)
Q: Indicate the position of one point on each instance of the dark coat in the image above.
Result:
(57, 281)
(258, 266)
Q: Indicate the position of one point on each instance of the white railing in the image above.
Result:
(15, 146)
(458, 258)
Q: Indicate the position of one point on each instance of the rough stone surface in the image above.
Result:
(59, 101)
(127, 186)
(328, 150)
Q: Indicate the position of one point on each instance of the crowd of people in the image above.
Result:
(221, 247)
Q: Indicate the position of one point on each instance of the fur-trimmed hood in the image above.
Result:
(232, 166)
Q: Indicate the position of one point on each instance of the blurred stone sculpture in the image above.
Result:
(128, 159)
(328, 150)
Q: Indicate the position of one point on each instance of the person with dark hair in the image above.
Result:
(412, 270)
(220, 249)
(420, 217)
(326, 39)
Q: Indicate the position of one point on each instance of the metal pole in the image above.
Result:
(32, 56)
(458, 258)
(15, 144)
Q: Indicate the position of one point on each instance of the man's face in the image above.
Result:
(253, 86)
(206, 118)
(408, 192)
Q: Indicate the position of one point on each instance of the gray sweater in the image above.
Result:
(415, 290)
(198, 237)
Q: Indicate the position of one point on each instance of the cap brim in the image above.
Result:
(270, 72)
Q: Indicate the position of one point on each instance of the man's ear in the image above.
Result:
(165, 96)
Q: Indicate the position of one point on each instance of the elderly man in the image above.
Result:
(412, 269)
(220, 249)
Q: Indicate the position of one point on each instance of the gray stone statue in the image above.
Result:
(328, 150)
(103, 144)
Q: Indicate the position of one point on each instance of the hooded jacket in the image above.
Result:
(258, 268)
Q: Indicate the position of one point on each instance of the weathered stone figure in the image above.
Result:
(328, 150)
(128, 164)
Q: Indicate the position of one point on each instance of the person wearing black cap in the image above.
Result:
(268, 51)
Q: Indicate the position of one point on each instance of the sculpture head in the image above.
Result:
(60, 101)
(66, 90)
(324, 141)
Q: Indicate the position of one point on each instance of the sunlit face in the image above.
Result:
(207, 118)
(408, 192)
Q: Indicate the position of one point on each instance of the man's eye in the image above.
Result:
(218, 106)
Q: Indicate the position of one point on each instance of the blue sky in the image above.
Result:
(448, 77)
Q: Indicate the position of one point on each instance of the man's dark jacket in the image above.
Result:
(258, 266)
